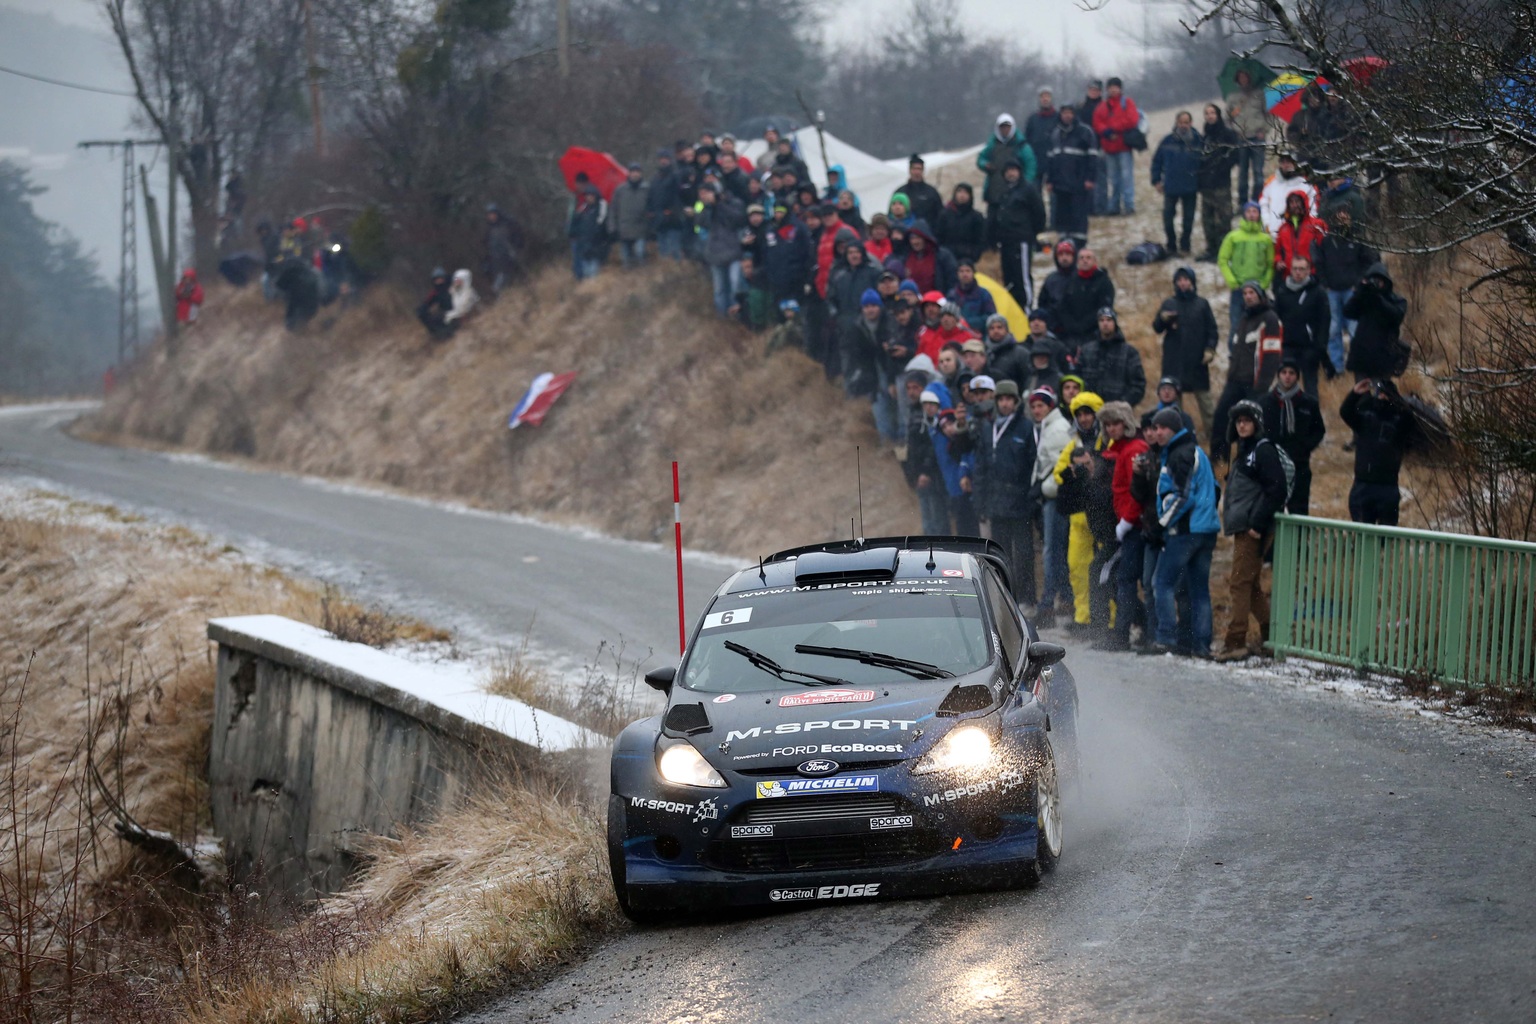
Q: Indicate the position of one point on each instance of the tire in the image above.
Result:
(1049, 835)
(616, 831)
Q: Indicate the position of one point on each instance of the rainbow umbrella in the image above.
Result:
(1283, 94)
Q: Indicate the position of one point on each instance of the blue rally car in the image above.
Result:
(852, 721)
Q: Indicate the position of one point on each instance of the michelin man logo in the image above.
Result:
(706, 810)
(771, 788)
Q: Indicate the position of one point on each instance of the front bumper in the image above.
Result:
(916, 835)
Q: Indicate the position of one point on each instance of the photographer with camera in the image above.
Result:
(1384, 427)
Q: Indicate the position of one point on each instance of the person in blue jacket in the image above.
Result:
(1188, 521)
(1176, 175)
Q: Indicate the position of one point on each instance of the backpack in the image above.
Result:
(1146, 252)
(1136, 138)
(1289, 466)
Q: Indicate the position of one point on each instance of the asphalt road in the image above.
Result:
(1243, 849)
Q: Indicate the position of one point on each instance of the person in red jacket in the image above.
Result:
(1125, 445)
(189, 297)
(1300, 233)
(1111, 120)
(951, 327)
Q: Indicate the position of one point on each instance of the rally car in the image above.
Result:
(852, 721)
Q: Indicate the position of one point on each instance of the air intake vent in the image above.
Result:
(687, 719)
(965, 698)
(830, 567)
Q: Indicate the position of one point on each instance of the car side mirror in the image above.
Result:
(661, 678)
(1043, 654)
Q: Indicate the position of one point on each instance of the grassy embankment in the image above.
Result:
(106, 686)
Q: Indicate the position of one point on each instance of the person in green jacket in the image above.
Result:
(1247, 254)
(1007, 143)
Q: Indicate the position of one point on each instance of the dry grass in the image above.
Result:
(102, 650)
(611, 693)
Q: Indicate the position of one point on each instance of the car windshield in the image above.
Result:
(934, 623)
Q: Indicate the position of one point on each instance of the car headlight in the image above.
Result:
(967, 747)
(684, 766)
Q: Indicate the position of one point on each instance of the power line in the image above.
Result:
(67, 85)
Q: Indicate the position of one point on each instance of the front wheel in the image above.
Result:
(616, 831)
(1049, 832)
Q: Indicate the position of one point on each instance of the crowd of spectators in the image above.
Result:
(1053, 443)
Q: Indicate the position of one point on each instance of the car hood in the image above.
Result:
(851, 725)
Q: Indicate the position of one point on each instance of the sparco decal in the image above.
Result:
(802, 787)
(751, 831)
(805, 700)
(825, 892)
(899, 821)
(840, 724)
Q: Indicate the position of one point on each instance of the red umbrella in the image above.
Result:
(1361, 69)
(605, 173)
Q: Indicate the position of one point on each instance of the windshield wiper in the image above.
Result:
(767, 664)
(920, 669)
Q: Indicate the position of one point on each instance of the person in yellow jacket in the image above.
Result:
(1085, 413)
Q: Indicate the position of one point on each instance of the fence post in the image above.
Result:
(1453, 616)
(1363, 612)
(1282, 604)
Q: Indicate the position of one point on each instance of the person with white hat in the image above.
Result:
(1006, 144)
(1005, 463)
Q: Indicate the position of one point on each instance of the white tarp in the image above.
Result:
(873, 180)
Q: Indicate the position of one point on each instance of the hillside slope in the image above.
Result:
(766, 445)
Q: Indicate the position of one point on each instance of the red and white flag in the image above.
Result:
(546, 387)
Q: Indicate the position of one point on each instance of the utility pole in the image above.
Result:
(168, 278)
(314, 81)
(563, 22)
(128, 263)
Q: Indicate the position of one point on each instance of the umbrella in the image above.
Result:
(1257, 70)
(1282, 96)
(605, 172)
(1362, 69)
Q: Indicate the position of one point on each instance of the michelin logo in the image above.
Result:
(800, 787)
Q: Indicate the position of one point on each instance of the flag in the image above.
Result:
(541, 394)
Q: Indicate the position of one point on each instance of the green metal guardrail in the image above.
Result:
(1460, 609)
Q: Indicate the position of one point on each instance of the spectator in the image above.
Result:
(721, 218)
(952, 447)
(1053, 432)
(1054, 287)
(1309, 130)
(922, 464)
(189, 297)
(1255, 350)
(1176, 175)
(1247, 254)
(433, 313)
(852, 277)
(1189, 335)
(1170, 395)
(974, 355)
(1089, 439)
(462, 297)
(922, 198)
(848, 212)
(754, 302)
(502, 241)
(1293, 418)
(1342, 192)
(1111, 365)
(1250, 117)
(1007, 143)
(1342, 262)
(338, 273)
(1277, 193)
(878, 245)
(1040, 127)
(234, 195)
(1044, 364)
(837, 180)
(975, 302)
(665, 205)
(1299, 234)
(1375, 347)
(786, 257)
(1015, 218)
(933, 268)
(629, 216)
(961, 228)
(1302, 305)
(1071, 175)
(1113, 119)
(950, 328)
(732, 179)
(1186, 514)
(788, 334)
(1076, 319)
(1086, 491)
(1005, 462)
(1093, 98)
(300, 287)
(270, 240)
(864, 341)
(786, 159)
(1218, 156)
(584, 227)
(1384, 427)
(1121, 452)
(899, 212)
(1006, 358)
(1255, 492)
(706, 149)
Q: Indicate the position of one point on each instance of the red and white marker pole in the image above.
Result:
(677, 537)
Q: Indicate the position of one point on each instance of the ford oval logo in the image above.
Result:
(820, 766)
